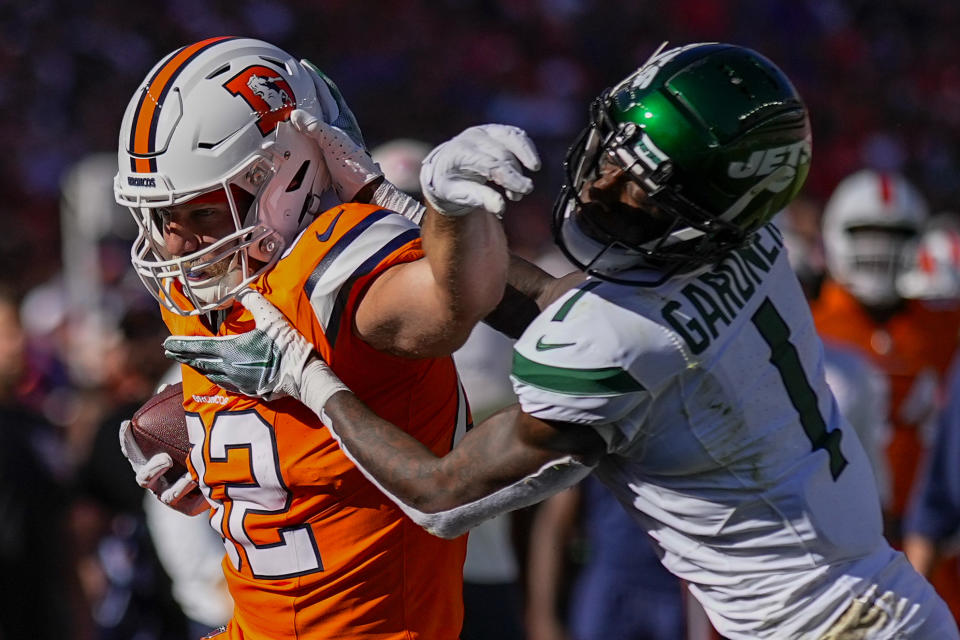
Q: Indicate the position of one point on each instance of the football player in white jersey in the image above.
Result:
(684, 371)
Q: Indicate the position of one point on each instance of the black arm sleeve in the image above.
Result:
(529, 291)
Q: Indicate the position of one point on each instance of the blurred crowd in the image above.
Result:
(81, 342)
(882, 79)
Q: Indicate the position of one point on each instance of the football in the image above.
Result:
(160, 426)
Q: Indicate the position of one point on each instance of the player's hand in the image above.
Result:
(350, 165)
(181, 495)
(333, 105)
(270, 361)
(338, 135)
(455, 174)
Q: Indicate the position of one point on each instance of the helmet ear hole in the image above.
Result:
(297, 179)
(311, 207)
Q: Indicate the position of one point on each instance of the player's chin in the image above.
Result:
(207, 272)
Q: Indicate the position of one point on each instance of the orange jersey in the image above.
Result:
(314, 550)
(914, 348)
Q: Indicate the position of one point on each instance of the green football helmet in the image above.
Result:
(718, 139)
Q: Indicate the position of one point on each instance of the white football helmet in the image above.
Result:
(214, 116)
(934, 272)
(870, 226)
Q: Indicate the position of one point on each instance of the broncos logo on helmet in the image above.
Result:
(270, 90)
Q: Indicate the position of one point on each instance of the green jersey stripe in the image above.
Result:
(565, 308)
(574, 382)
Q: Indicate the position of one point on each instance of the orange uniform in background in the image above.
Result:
(314, 550)
(914, 348)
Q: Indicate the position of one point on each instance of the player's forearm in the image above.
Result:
(549, 533)
(529, 290)
(484, 476)
(921, 552)
(397, 462)
(468, 258)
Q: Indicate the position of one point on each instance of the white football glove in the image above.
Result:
(349, 163)
(454, 174)
(271, 361)
(182, 495)
(338, 135)
(333, 106)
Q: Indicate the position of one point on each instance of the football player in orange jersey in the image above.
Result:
(871, 223)
(237, 180)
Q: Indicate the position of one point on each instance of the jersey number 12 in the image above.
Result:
(288, 551)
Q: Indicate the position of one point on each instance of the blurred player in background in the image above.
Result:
(492, 599)
(933, 520)
(128, 591)
(686, 371)
(620, 589)
(871, 226)
(934, 273)
(933, 517)
(227, 160)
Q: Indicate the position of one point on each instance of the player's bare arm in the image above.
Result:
(529, 291)
(427, 308)
(490, 153)
(503, 450)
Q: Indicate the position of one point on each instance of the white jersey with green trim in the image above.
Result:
(723, 437)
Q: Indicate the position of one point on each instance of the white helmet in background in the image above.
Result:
(214, 117)
(400, 161)
(934, 271)
(870, 226)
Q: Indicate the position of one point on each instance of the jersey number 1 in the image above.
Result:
(783, 355)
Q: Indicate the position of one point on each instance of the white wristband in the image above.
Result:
(552, 478)
(390, 197)
(317, 384)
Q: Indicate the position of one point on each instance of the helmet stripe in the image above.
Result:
(954, 239)
(144, 131)
(886, 189)
(136, 113)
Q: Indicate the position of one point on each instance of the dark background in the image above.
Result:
(882, 79)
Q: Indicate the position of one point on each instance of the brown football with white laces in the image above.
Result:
(160, 426)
